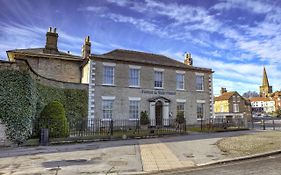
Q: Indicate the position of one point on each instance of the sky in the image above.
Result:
(235, 38)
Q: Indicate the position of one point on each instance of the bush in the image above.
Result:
(180, 117)
(144, 120)
(53, 117)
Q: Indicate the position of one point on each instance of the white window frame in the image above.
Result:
(235, 107)
(199, 75)
(134, 99)
(104, 100)
(183, 77)
(134, 68)
(201, 102)
(112, 65)
(162, 78)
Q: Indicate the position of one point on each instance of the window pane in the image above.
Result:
(107, 106)
(108, 75)
(158, 79)
(134, 109)
(180, 107)
(134, 77)
(200, 110)
(180, 81)
(199, 82)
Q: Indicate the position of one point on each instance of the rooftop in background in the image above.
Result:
(260, 99)
(225, 96)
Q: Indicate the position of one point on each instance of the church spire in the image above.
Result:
(264, 78)
(265, 89)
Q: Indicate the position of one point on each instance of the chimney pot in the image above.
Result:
(50, 29)
(55, 30)
(187, 59)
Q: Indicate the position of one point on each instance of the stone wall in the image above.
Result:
(121, 91)
(56, 69)
(3, 140)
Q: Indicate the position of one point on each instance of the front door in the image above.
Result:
(158, 112)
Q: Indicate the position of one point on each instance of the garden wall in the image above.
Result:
(24, 93)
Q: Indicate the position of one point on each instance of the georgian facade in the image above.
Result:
(122, 83)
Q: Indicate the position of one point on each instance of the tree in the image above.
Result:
(53, 117)
(250, 94)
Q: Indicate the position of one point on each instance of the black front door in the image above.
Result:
(158, 112)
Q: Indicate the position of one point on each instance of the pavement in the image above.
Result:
(116, 157)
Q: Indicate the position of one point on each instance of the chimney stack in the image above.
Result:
(187, 59)
(223, 90)
(86, 48)
(51, 41)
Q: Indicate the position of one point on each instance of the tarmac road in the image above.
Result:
(270, 165)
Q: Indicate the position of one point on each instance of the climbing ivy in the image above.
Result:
(17, 104)
(22, 99)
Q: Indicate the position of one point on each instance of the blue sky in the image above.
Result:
(235, 38)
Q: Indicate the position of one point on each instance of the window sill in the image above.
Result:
(106, 119)
(158, 88)
(134, 87)
(133, 119)
(199, 90)
(180, 89)
(113, 85)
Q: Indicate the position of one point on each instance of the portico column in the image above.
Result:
(152, 113)
(166, 114)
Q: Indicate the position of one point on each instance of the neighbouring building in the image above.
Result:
(231, 105)
(263, 104)
(49, 62)
(277, 98)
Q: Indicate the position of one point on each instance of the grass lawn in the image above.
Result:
(251, 144)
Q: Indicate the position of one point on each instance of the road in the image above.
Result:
(270, 165)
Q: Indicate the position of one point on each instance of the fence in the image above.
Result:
(266, 123)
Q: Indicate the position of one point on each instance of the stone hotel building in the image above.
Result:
(122, 83)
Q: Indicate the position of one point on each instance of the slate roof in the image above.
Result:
(225, 96)
(260, 99)
(145, 58)
(41, 52)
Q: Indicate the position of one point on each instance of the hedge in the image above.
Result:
(22, 99)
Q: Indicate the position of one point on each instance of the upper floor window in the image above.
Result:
(235, 108)
(200, 82)
(134, 77)
(108, 75)
(180, 81)
(158, 79)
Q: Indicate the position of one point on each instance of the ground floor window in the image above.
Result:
(107, 106)
(200, 110)
(134, 107)
(180, 107)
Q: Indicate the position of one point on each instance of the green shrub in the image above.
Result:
(144, 120)
(53, 117)
(180, 117)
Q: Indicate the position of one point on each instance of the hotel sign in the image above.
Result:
(158, 92)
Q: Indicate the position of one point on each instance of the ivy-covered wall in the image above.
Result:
(18, 99)
(23, 98)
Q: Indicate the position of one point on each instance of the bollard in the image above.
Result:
(44, 137)
(263, 124)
